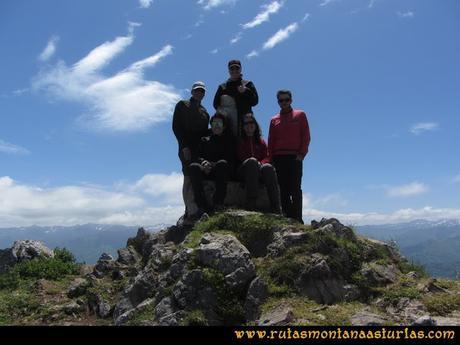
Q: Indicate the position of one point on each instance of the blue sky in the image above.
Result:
(87, 91)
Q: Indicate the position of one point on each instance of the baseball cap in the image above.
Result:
(198, 85)
(232, 63)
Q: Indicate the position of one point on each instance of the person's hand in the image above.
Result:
(207, 167)
(242, 88)
(187, 154)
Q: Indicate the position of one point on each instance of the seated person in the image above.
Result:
(214, 162)
(252, 155)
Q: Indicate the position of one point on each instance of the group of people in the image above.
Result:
(233, 148)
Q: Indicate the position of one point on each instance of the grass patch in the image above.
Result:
(394, 293)
(195, 318)
(442, 304)
(406, 266)
(17, 305)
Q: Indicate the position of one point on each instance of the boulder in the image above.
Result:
(256, 296)
(280, 316)
(227, 255)
(379, 275)
(23, 250)
(104, 265)
(366, 318)
(128, 256)
(425, 320)
(334, 227)
(319, 283)
(77, 287)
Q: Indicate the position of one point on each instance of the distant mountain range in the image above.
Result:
(434, 244)
(87, 242)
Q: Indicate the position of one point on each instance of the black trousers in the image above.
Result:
(289, 171)
(220, 174)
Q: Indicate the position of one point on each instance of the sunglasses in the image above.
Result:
(284, 100)
(234, 68)
(249, 123)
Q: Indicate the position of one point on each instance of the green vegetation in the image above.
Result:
(17, 305)
(195, 318)
(442, 304)
(407, 266)
(62, 264)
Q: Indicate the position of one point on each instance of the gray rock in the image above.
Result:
(351, 292)
(179, 263)
(425, 320)
(23, 250)
(447, 321)
(281, 316)
(173, 319)
(73, 308)
(227, 255)
(379, 275)
(193, 292)
(104, 265)
(284, 238)
(432, 286)
(164, 308)
(100, 305)
(365, 318)
(128, 256)
(333, 226)
(256, 296)
(318, 282)
(77, 287)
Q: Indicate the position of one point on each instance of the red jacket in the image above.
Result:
(248, 147)
(289, 134)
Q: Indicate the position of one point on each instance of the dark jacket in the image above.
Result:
(190, 124)
(244, 101)
(217, 147)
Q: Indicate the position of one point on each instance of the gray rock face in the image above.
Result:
(424, 321)
(227, 255)
(319, 283)
(77, 287)
(23, 250)
(128, 256)
(279, 317)
(283, 238)
(333, 226)
(256, 296)
(379, 275)
(366, 318)
(104, 265)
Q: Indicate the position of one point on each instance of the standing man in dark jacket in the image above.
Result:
(288, 141)
(235, 97)
(190, 123)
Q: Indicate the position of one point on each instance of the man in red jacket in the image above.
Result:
(288, 140)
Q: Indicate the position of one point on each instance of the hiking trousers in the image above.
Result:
(289, 171)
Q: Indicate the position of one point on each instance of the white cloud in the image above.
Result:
(371, 3)
(145, 3)
(49, 50)
(419, 128)
(252, 54)
(236, 38)
(402, 215)
(305, 17)
(125, 101)
(327, 2)
(280, 35)
(407, 14)
(9, 148)
(154, 198)
(264, 15)
(412, 189)
(214, 51)
(209, 4)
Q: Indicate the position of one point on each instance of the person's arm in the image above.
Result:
(177, 125)
(305, 135)
(264, 152)
(217, 96)
(250, 94)
(271, 143)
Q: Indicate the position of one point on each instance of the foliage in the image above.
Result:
(442, 304)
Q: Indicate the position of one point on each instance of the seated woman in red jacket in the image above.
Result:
(252, 154)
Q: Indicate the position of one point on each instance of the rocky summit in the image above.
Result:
(234, 268)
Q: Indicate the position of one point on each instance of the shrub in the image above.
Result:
(64, 255)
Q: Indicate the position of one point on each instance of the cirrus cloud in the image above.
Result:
(125, 101)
